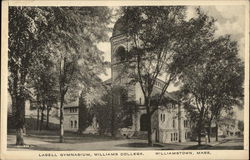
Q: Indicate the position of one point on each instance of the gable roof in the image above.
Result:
(72, 104)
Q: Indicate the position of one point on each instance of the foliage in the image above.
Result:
(153, 32)
(241, 126)
(165, 45)
(114, 111)
(26, 26)
(214, 81)
(59, 40)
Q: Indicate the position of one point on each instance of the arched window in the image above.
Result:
(162, 117)
(143, 123)
(173, 123)
(121, 53)
(75, 124)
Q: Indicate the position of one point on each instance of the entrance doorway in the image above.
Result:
(143, 122)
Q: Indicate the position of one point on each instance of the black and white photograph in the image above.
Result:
(126, 77)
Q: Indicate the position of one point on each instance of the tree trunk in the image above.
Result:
(83, 114)
(47, 122)
(19, 136)
(216, 128)
(147, 100)
(112, 117)
(199, 137)
(20, 117)
(14, 95)
(199, 129)
(209, 132)
(61, 120)
(42, 116)
(13, 109)
(179, 123)
(38, 118)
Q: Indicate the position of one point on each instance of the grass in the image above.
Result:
(49, 140)
(70, 137)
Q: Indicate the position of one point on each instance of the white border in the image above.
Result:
(25, 155)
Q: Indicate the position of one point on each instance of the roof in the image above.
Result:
(119, 27)
(72, 104)
(169, 95)
(108, 81)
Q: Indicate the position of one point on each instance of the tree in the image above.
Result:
(73, 38)
(113, 110)
(90, 96)
(241, 126)
(44, 83)
(68, 35)
(225, 72)
(160, 38)
(25, 28)
(214, 82)
(153, 34)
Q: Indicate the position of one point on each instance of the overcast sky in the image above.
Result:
(230, 20)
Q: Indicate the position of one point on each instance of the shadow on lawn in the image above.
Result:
(197, 147)
(141, 145)
(36, 147)
(71, 136)
(227, 148)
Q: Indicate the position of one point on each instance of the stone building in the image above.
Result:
(71, 114)
(169, 122)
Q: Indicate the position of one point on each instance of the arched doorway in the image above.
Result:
(143, 122)
(121, 53)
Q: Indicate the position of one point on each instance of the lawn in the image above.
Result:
(49, 140)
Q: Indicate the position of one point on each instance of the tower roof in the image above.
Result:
(119, 27)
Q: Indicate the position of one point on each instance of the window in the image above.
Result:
(162, 117)
(71, 124)
(143, 122)
(173, 123)
(75, 124)
(121, 53)
(33, 105)
(171, 136)
(73, 110)
(118, 99)
(173, 106)
(185, 123)
(140, 100)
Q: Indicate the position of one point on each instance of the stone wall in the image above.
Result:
(70, 120)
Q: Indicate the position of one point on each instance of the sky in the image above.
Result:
(229, 20)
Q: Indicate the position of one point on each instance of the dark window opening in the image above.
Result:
(121, 54)
(173, 123)
(143, 122)
(75, 124)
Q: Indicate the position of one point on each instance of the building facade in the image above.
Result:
(71, 114)
(169, 122)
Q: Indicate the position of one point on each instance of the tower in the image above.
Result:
(119, 48)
